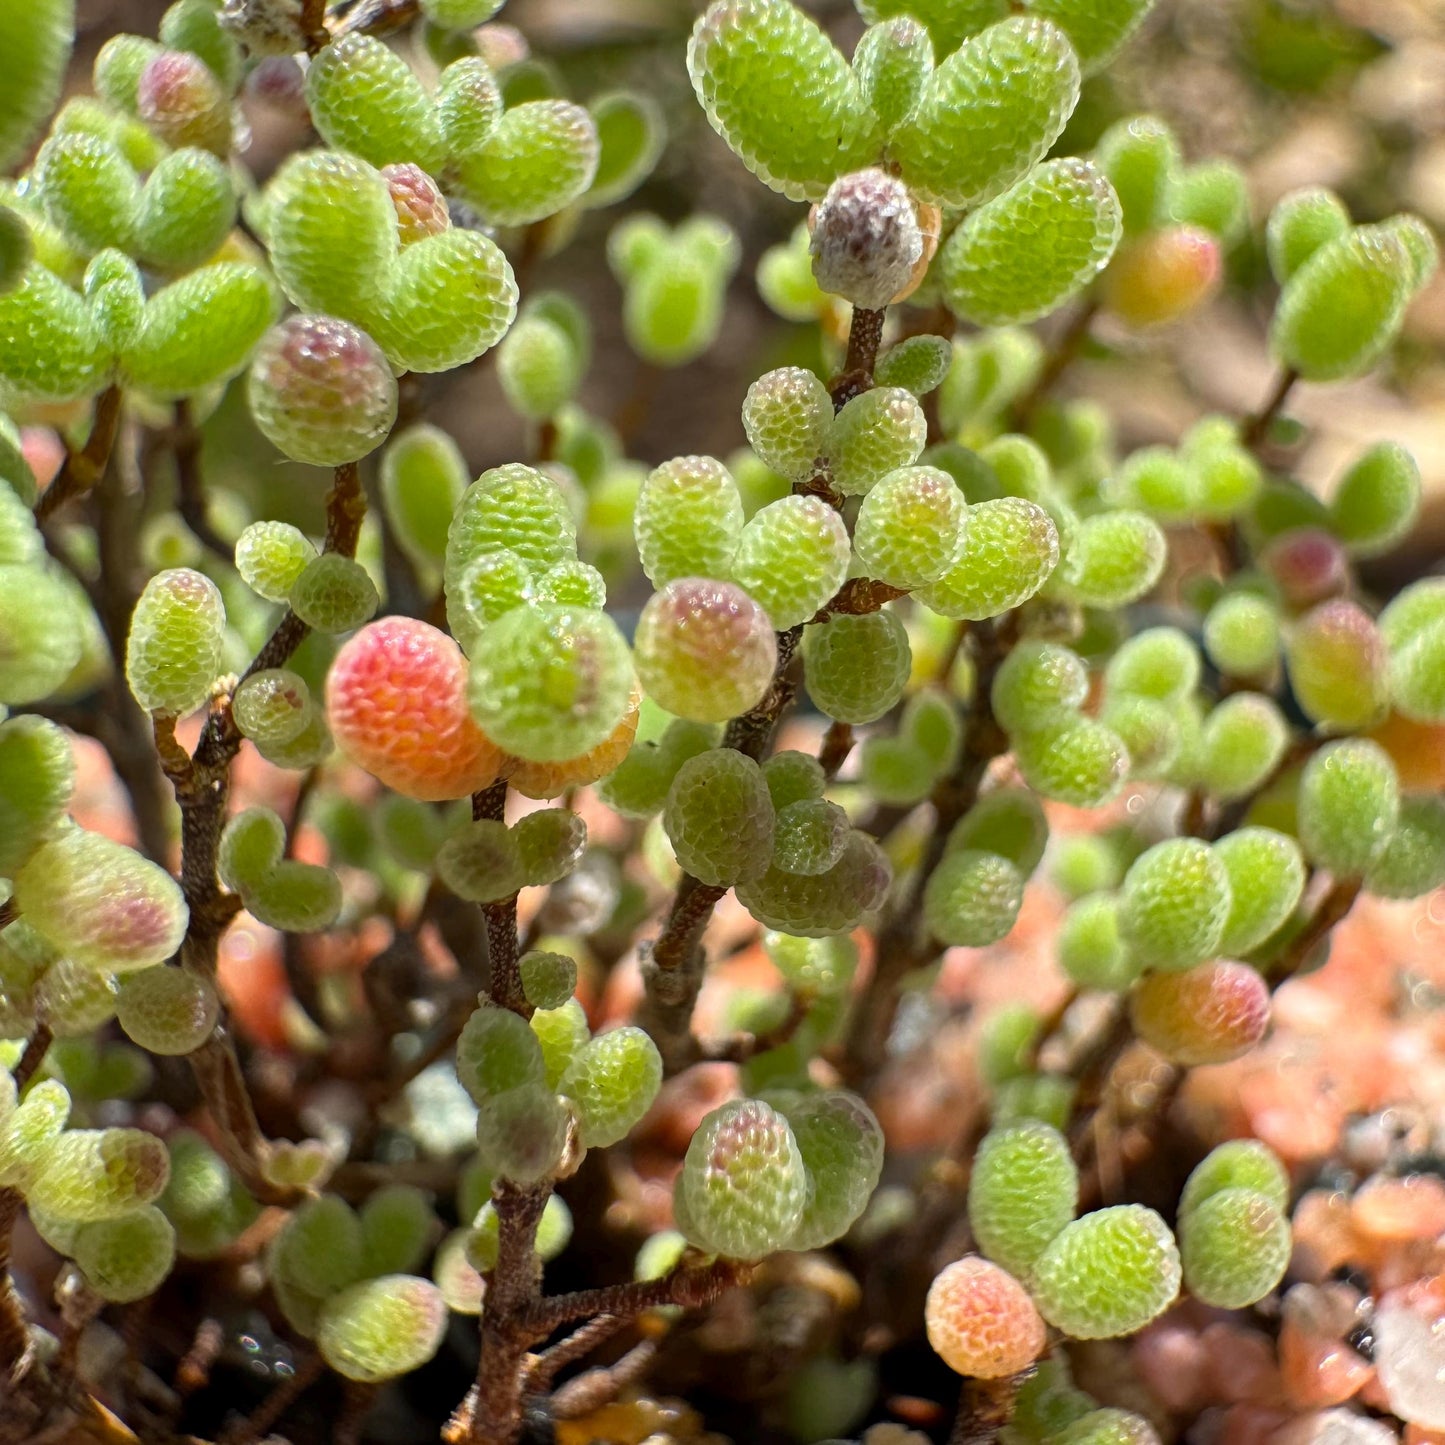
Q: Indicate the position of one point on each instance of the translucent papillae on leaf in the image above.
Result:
(972, 898)
(364, 98)
(1108, 1273)
(719, 818)
(333, 593)
(447, 299)
(1023, 1190)
(87, 190)
(199, 330)
(322, 391)
(396, 703)
(1412, 862)
(1301, 222)
(911, 527)
(331, 231)
(1036, 684)
(893, 60)
(37, 777)
(270, 557)
(780, 93)
(1342, 308)
(744, 1185)
(93, 1174)
(167, 1010)
(480, 862)
(1078, 760)
(1266, 881)
(382, 1328)
(1206, 1015)
(613, 1080)
(35, 45)
(704, 650)
(1028, 251)
(128, 1258)
(856, 667)
(552, 682)
(1235, 1246)
(539, 157)
(1337, 666)
(1174, 904)
(841, 1144)
(988, 113)
(874, 433)
(787, 415)
(1010, 548)
(100, 903)
(1377, 500)
(187, 208)
(688, 519)
(981, 1321)
(1349, 802)
(50, 346)
(791, 558)
(514, 507)
(173, 651)
(821, 905)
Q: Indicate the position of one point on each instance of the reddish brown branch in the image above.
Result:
(202, 789)
(1255, 429)
(507, 1331)
(865, 332)
(84, 468)
(689, 1286)
(984, 1408)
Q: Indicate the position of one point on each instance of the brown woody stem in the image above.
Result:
(84, 468)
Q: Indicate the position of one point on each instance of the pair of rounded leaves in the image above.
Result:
(1096, 30)
(1234, 1233)
(791, 1174)
(789, 419)
(510, 528)
(792, 109)
(674, 284)
(295, 897)
(1342, 307)
(1027, 251)
(333, 237)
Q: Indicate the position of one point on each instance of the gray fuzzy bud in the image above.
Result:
(866, 239)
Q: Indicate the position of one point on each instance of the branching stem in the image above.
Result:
(1255, 429)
